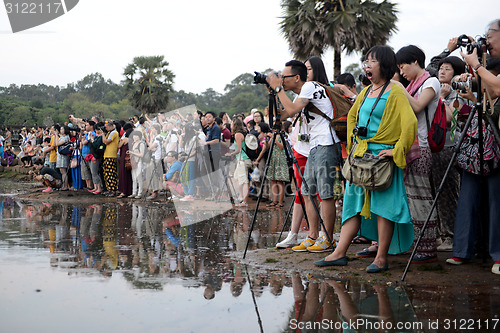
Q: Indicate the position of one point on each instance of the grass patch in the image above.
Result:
(271, 260)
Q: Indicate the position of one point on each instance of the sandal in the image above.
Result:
(279, 205)
(121, 196)
(271, 204)
(361, 240)
(242, 204)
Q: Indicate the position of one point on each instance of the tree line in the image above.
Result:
(44, 105)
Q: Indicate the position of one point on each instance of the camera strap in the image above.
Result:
(374, 104)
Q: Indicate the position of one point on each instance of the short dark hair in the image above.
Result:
(218, 121)
(57, 127)
(409, 54)
(347, 79)
(138, 133)
(455, 62)
(386, 59)
(251, 123)
(210, 112)
(493, 64)
(298, 68)
(173, 153)
(91, 123)
(47, 139)
(319, 72)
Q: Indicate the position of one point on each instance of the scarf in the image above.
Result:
(417, 83)
(397, 127)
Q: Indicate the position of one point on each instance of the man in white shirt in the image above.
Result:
(319, 173)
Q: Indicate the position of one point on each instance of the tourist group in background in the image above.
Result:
(218, 157)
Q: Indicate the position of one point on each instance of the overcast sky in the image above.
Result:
(207, 43)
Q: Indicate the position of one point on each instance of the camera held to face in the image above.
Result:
(463, 41)
(360, 131)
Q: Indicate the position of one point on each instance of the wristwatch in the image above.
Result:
(446, 50)
(278, 89)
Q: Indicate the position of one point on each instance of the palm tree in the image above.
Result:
(311, 26)
(148, 83)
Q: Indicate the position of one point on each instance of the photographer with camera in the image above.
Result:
(324, 156)
(479, 192)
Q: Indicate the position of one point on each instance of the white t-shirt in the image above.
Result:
(319, 128)
(300, 146)
(422, 133)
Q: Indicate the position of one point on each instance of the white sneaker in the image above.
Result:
(446, 245)
(289, 241)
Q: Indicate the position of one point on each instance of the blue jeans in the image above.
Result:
(467, 217)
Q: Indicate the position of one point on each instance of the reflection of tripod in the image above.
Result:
(291, 160)
(480, 109)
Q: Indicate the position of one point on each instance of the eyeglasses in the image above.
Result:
(369, 62)
(285, 76)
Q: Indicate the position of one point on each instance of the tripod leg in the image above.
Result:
(439, 190)
(286, 218)
(259, 198)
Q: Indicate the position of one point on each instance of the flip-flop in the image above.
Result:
(271, 204)
(361, 240)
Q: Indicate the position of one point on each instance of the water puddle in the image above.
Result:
(135, 267)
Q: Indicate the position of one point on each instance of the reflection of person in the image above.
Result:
(391, 129)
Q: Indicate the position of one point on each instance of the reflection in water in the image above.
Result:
(157, 265)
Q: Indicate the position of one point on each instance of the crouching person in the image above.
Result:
(47, 175)
(171, 180)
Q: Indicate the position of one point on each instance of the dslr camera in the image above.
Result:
(360, 131)
(259, 78)
(463, 41)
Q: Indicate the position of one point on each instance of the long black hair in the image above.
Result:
(319, 72)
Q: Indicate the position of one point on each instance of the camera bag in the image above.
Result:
(341, 105)
(369, 172)
(65, 149)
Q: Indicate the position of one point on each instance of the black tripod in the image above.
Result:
(479, 108)
(291, 160)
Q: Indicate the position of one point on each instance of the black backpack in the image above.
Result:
(97, 148)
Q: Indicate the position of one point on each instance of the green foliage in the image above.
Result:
(148, 83)
(94, 95)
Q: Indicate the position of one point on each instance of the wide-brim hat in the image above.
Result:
(251, 141)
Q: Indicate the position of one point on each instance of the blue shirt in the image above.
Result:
(86, 148)
(176, 166)
(213, 133)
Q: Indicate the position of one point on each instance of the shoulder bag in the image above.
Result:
(369, 172)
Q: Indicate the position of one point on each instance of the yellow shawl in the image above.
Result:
(398, 127)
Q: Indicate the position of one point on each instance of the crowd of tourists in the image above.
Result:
(218, 157)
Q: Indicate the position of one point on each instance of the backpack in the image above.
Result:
(65, 149)
(436, 130)
(341, 106)
(97, 148)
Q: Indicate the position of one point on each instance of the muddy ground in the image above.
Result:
(476, 273)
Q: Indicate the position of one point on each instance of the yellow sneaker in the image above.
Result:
(302, 247)
(321, 245)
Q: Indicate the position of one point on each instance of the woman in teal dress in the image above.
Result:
(391, 129)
